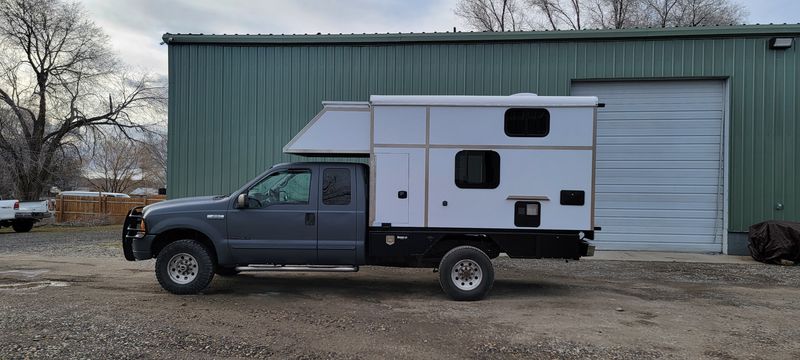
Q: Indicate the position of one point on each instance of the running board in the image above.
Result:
(310, 268)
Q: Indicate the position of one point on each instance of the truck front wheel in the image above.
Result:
(22, 226)
(466, 274)
(184, 267)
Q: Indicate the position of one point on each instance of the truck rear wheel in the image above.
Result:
(184, 267)
(22, 226)
(466, 274)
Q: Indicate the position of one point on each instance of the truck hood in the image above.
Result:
(200, 203)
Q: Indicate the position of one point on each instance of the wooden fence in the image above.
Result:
(98, 209)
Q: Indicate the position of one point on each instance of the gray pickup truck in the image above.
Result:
(314, 217)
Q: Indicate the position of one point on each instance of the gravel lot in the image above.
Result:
(67, 293)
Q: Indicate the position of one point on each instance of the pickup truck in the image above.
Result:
(22, 216)
(313, 217)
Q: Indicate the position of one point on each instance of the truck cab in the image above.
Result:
(302, 214)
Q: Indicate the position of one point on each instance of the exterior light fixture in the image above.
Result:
(780, 43)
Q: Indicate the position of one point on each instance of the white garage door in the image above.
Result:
(659, 164)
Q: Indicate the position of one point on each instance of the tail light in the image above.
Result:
(16, 205)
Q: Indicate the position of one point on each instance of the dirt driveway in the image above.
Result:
(89, 303)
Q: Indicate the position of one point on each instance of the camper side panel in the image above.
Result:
(400, 125)
(526, 175)
(399, 157)
(534, 169)
(485, 126)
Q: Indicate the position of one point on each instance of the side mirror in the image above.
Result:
(241, 201)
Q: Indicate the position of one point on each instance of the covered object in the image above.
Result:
(773, 241)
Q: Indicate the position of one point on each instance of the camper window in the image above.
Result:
(477, 169)
(527, 122)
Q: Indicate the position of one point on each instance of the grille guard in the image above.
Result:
(129, 230)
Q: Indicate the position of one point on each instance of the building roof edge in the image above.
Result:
(677, 32)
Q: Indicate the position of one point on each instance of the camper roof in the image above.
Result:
(513, 100)
(343, 127)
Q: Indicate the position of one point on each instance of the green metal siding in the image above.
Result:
(234, 106)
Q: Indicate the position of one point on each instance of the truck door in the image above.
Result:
(337, 231)
(279, 226)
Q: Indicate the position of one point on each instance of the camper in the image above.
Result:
(447, 182)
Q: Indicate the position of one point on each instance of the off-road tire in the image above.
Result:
(226, 271)
(204, 262)
(22, 226)
(474, 258)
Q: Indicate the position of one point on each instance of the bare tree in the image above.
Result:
(610, 14)
(662, 12)
(492, 15)
(153, 160)
(618, 14)
(114, 165)
(560, 14)
(708, 12)
(60, 82)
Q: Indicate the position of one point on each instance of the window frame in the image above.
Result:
(496, 181)
(527, 134)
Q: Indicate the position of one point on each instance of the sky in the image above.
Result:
(135, 27)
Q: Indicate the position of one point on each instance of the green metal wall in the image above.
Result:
(233, 106)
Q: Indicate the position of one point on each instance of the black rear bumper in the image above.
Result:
(31, 215)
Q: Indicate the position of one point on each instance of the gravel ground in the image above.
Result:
(69, 294)
(51, 240)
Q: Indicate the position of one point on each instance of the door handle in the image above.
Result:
(311, 218)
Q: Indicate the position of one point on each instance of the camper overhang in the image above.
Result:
(341, 128)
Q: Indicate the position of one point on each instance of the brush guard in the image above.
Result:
(130, 231)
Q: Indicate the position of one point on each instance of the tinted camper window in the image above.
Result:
(527, 122)
(477, 169)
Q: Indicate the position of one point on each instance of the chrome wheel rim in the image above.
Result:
(182, 268)
(466, 275)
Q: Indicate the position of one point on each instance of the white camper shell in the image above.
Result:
(488, 163)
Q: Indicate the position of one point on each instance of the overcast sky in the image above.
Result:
(135, 26)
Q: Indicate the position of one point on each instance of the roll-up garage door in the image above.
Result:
(659, 163)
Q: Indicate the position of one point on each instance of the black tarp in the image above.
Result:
(773, 241)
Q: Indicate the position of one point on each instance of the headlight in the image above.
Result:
(142, 229)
